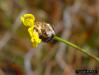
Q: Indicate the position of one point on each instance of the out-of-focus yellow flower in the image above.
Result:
(34, 37)
(30, 30)
(28, 20)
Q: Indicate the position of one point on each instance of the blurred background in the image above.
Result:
(74, 20)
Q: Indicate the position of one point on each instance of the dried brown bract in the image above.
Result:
(45, 30)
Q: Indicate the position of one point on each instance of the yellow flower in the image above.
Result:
(28, 20)
(34, 37)
(30, 30)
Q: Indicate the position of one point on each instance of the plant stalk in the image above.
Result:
(75, 46)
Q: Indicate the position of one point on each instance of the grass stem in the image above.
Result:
(77, 47)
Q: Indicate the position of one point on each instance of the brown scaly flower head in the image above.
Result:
(39, 31)
(45, 30)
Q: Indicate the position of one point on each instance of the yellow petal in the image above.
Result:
(22, 19)
(29, 16)
(35, 39)
(28, 20)
(30, 30)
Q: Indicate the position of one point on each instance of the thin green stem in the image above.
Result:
(75, 46)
